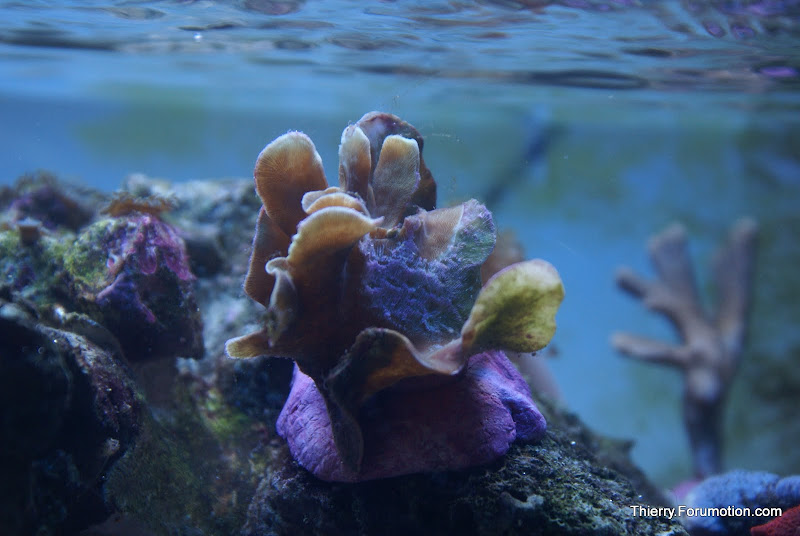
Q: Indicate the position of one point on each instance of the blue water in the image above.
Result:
(588, 126)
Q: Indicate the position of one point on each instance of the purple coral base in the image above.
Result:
(469, 420)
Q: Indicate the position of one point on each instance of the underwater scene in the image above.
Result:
(519, 267)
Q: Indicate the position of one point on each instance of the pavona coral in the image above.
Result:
(370, 289)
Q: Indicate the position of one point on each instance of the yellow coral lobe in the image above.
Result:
(515, 310)
(285, 170)
(327, 232)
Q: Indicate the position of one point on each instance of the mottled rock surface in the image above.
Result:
(558, 486)
(69, 408)
(129, 273)
(132, 274)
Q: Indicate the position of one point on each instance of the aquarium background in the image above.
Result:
(586, 126)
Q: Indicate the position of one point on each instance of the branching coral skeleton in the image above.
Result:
(711, 344)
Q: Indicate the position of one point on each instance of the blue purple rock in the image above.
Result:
(739, 489)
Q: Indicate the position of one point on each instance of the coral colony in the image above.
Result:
(376, 295)
(712, 344)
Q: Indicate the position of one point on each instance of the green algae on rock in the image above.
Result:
(128, 273)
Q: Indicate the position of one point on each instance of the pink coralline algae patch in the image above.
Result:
(133, 269)
(145, 243)
(376, 295)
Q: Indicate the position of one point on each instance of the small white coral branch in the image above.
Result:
(711, 345)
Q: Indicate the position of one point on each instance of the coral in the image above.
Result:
(123, 203)
(739, 489)
(367, 285)
(214, 218)
(83, 453)
(787, 524)
(712, 344)
(532, 366)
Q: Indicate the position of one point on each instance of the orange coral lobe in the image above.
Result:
(269, 241)
(124, 203)
(285, 170)
(438, 230)
(396, 178)
(327, 232)
(332, 197)
(355, 164)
